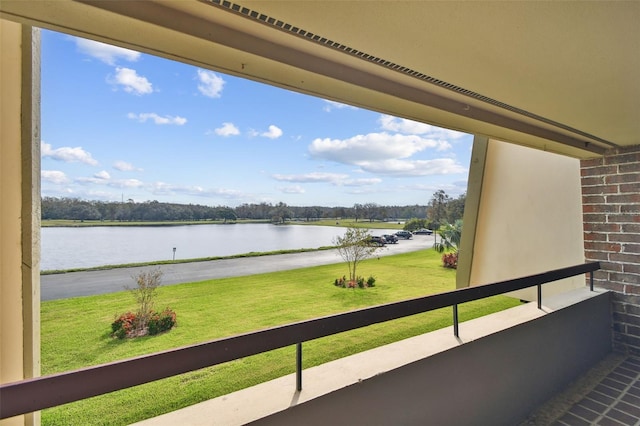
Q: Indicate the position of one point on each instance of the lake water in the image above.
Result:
(65, 248)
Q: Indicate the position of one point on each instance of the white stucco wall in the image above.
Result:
(528, 216)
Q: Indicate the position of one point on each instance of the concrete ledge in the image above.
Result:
(371, 385)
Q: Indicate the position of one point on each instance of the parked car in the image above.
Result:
(376, 241)
(423, 231)
(390, 239)
(404, 234)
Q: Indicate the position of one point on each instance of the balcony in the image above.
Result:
(492, 370)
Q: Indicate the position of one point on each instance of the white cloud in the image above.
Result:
(370, 147)
(54, 176)
(313, 177)
(227, 129)
(210, 84)
(274, 132)
(132, 82)
(157, 119)
(126, 183)
(337, 179)
(105, 52)
(104, 175)
(163, 188)
(440, 166)
(331, 105)
(123, 166)
(402, 125)
(297, 189)
(68, 154)
(361, 182)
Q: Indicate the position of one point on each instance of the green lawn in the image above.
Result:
(75, 332)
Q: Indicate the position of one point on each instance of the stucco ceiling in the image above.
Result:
(560, 76)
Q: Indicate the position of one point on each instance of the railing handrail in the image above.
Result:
(56, 389)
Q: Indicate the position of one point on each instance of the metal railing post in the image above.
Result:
(455, 321)
(539, 296)
(591, 280)
(299, 366)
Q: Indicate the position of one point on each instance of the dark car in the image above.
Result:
(376, 241)
(390, 239)
(404, 234)
(423, 231)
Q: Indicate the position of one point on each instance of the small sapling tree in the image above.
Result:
(145, 293)
(145, 320)
(354, 246)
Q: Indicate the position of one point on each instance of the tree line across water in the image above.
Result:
(441, 209)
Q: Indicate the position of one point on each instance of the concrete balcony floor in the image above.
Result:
(501, 357)
(608, 394)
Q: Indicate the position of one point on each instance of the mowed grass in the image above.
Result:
(75, 332)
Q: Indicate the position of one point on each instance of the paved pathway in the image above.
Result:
(73, 284)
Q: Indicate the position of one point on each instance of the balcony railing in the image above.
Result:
(56, 389)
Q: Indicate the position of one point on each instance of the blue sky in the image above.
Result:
(117, 124)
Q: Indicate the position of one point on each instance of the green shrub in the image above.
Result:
(130, 324)
(162, 321)
(359, 282)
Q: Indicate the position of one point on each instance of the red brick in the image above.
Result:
(593, 180)
(630, 208)
(630, 268)
(630, 187)
(601, 208)
(621, 178)
(631, 228)
(625, 278)
(610, 247)
(593, 199)
(592, 162)
(618, 288)
(604, 227)
(624, 199)
(594, 218)
(595, 236)
(629, 168)
(631, 248)
(623, 218)
(599, 171)
(624, 238)
(600, 189)
(625, 257)
(632, 289)
(595, 256)
(632, 157)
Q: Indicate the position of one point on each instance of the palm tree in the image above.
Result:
(450, 237)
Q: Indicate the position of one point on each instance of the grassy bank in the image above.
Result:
(46, 223)
(169, 262)
(75, 332)
(362, 223)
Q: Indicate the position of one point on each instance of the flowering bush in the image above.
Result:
(450, 260)
(161, 321)
(124, 326)
(132, 325)
(359, 282)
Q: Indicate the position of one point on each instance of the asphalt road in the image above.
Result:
(74, 284)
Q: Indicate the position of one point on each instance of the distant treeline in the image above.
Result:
(77, 209)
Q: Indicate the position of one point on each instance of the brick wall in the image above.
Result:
(611, 213)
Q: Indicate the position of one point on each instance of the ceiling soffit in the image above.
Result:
(246, 43)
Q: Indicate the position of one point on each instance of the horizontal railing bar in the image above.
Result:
(47, 391)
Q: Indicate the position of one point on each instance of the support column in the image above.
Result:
(20, 207)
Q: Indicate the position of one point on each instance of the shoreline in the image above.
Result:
(87, 283)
